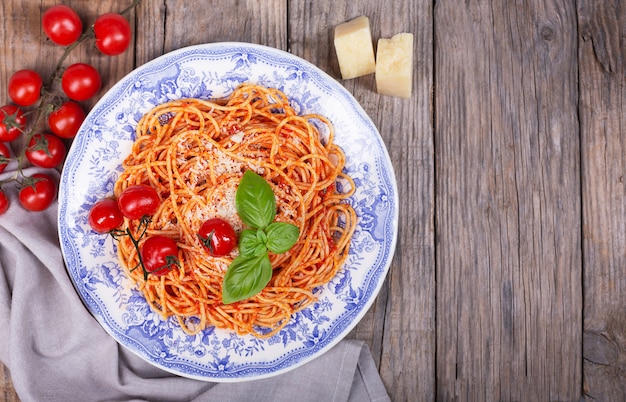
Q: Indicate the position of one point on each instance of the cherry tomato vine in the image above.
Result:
(40, 115)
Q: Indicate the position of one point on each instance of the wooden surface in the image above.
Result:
(509, 279)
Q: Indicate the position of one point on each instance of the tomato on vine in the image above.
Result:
(159, 255)
(138, 201)
(62, 25)
(66, 120)
(105, 216)
(4, 202)
(37, 192)
(45, 150)
(12, 122)
(217, 237)
(80, 81)
(113, 33)
(4, 156)
(25, 87)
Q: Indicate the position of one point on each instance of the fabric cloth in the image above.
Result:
(56, 351)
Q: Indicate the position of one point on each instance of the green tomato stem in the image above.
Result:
(136, 245)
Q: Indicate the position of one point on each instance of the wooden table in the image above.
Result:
(509, 278)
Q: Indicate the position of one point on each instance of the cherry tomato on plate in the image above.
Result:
(4, 202)
(159, 254)
(217, 237)
(37, 192)
(66, 120)
(62, 25)
(138, 201)
(112, 33)
(45, 150)
(80, 81)
(25, 87)
(105, 216)
(12, 122)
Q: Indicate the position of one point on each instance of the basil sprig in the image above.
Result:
(251, 271)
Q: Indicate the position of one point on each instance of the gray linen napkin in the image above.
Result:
(56, 351)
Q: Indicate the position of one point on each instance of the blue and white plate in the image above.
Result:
(94, 163)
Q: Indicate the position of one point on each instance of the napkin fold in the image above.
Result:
(56, 351)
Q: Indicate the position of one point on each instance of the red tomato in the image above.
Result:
(62, 25)
(80, 81)
(138, 201)
(25, 87)
(4, 202)
(37, 192)
(105, 216)
(66, 120)
(159, 254)
(112, 33)
(218, 237)
(4, 156)
(45, 150)
(12, 122)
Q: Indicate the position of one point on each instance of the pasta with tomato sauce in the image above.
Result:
(194, 153)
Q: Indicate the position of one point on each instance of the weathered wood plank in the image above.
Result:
(7, 392)
(602, 52)
(149, 35)
(508, 201)
(244, 21)
(400, 325)
(167, 25)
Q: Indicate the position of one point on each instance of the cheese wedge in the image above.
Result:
(394, 66)
(355, 51)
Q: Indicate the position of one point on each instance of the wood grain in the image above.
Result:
(508, 207)
(402, 317)
(193, 22)
(7, 393)
(603, 123)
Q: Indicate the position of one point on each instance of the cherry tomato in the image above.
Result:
(4, 156)
(4, 202)
(25, 87)
(80, 81)
(159, 254)
(12, 122)
(66, 120)
(45, 150)
(138, 201)
(218, 237)
(37, 192)
(62, 25)
(105, 216)
(112, 33)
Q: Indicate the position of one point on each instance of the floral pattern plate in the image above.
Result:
(94, 163)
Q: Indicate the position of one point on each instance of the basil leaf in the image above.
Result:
(246, 277)
(261, 236)
(249, 245)
(255, 201)
(281, 236)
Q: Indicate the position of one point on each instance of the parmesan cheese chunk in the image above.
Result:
(394, 66)
(353, 44)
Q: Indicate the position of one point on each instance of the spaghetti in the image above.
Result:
(194, 152)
